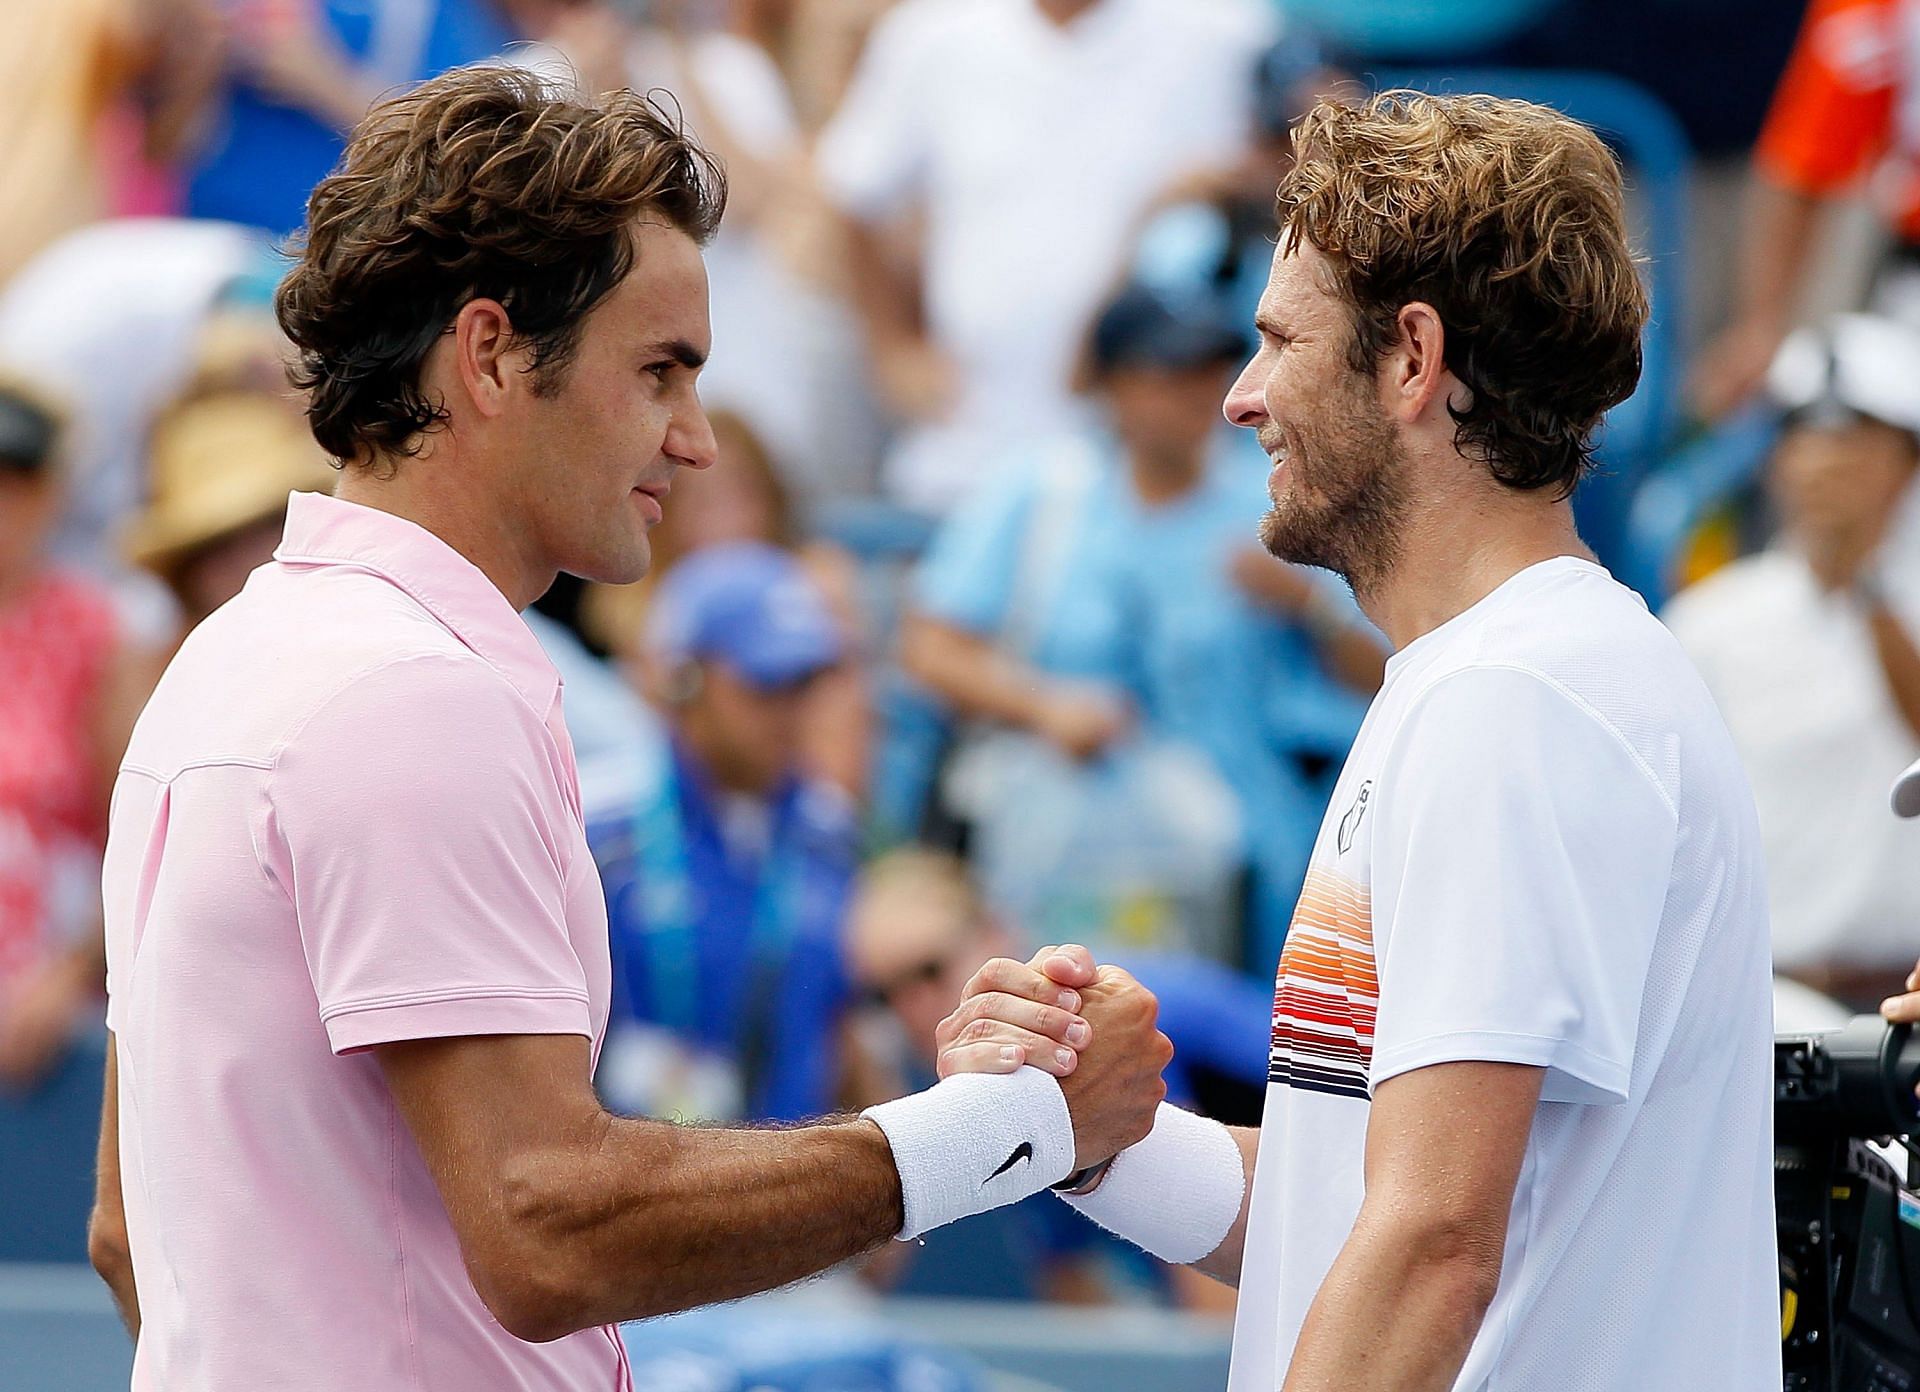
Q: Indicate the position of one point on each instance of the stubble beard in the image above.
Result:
(1344, 496)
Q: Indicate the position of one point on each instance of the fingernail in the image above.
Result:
(1887, 1005)
(1064, 1056)
(1009, 1053)
(1070, 1001)
(1078, 1033)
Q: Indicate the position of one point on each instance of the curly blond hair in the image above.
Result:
(484, 182)
(1508, 219)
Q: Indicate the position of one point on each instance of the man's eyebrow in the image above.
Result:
(679, 350)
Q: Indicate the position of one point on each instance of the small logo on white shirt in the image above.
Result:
(1350, 823)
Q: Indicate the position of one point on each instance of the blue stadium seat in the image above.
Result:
(47, 1144)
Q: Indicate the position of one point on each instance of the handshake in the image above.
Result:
(1092, 1027)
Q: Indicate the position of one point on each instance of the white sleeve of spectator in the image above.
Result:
(418, 822)
(1520, 868)
(872, 154)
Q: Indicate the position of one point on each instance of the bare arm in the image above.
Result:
(913, 375)
(1899, 661)
(107, 1245)
(1782, 224)
(1401, 1306)
(981, 681)
(570, 1217)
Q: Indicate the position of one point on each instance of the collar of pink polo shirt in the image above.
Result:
(324, 531)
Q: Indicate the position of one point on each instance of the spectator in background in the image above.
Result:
(1839, 115)
(70, 686)
(1810, 649)
(744, 499)
(299, 74)
(789, 340)
(726, 868)
(1029, 136)
(223, 465)
(1112, 577)
(111, 318)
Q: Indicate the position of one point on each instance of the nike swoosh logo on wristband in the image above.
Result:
(1023, 1151)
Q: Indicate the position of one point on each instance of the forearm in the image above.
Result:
(656, 1218)
(1781, 225)
(1398, 1312)
(971, 674)
(1899, 661)
(107, 1245)
(885, 296)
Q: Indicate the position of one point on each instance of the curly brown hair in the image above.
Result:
(482, 183)
(1508, 219)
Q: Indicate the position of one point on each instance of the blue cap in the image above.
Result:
(1141, 327)
(750, 606)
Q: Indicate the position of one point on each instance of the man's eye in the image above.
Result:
(660, 370)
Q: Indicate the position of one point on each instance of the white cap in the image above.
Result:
(1859, 364)
(1906, 792)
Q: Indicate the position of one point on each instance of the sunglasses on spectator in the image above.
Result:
(881, 993)
(27, 432)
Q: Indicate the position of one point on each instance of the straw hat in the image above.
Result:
(217, 464)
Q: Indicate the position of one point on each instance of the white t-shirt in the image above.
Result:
(1797, 678)
(1034, 148)
(1542, 850)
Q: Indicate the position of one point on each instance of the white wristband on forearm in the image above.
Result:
(1176, 1193)
(976, 1141)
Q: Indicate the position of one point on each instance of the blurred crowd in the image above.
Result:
(966, 645)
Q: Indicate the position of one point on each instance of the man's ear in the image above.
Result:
(1417, 375)
(484, 358)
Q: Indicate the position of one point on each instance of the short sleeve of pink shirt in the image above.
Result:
(427, 859)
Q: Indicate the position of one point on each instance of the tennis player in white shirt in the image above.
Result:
(1518, 1129)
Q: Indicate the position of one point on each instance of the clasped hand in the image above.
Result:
(1092, 1027)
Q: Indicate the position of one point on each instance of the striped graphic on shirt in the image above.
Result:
(1327, 992)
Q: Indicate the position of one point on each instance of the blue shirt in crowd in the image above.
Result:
(725, 920)
(1102, 586)
(262, 158)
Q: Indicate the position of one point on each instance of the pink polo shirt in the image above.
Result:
(348, 816)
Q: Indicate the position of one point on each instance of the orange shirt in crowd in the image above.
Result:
(1848, 106)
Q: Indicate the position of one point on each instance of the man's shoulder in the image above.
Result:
(252, 678)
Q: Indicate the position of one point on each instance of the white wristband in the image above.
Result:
(1176, 1193)
(976, 1141)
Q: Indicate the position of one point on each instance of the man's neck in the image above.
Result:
(1453, 557)
(419, 490)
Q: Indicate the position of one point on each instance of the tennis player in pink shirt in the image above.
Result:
(357, 952)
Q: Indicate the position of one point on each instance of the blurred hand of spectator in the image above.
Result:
(917, 381)
(1733, 366)
(595, 39)
(286, 48)
(1905, 1009)
(1081, 721)
(41, 1014)
(1267, 581)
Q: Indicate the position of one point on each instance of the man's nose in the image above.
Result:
(1244, 405)
(691, 440)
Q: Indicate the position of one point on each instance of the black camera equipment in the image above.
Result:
(1849, 1224)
